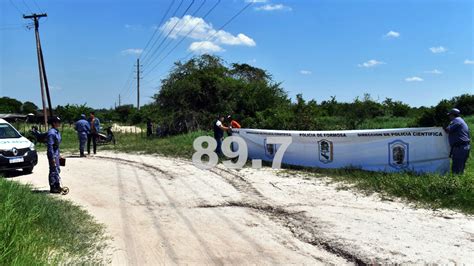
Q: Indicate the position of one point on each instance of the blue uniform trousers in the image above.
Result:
(54, 178)
(82, 141)
(459, 154)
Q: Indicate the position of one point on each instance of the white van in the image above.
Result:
(16, 151)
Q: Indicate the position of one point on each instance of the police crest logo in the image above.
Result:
(326, 151)
(270, 149)
(398, 153)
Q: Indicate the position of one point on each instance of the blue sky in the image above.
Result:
(418, 51)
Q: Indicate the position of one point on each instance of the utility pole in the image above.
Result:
(42, 71)
(120, 102)
(138, 83)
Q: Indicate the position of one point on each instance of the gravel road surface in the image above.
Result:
(161, 210)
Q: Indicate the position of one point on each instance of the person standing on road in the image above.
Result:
(94, 124)
(459, 140)
(83, 128)
(149, 127)
(53, 140)
(219, 129)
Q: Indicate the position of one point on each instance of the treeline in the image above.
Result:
(197, 91)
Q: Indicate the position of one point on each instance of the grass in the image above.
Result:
(174, 146)
(434, 191)
(37, 229)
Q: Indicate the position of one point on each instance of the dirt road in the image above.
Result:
(165, 211)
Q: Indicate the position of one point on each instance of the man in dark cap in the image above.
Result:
(459, 139)
(53, 139)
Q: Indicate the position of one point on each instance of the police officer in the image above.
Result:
(83, 128)
(94, 124)
(459, 139)
(219, 129)
(53, 140)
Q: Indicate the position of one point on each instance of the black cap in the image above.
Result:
(54, 119)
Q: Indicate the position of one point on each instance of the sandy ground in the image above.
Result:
(126, 129)
(166, 211)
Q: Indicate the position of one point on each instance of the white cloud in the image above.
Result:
(131, 51)
(371, 63)
(434, 71)
(256, 1)
(133, 27)
(273, 7)
(392, 34)
(438, 50)
(56, 88)
(469, 62)
(204, 32)
(413, 79)
(305, 72)
(205, 47)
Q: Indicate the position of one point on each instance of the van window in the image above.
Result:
(8, 132)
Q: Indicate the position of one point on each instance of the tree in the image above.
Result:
(9, 105)
(29, 108)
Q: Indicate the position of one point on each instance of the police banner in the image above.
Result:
(423, 150)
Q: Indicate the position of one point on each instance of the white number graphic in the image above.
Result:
(209, 151)
(284, 144)
(242, 152)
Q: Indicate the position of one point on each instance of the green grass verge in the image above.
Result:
(37, 229)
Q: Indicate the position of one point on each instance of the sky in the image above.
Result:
(415, 51)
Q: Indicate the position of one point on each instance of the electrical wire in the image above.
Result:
(177, 33)
(27, 7)
(183, 38)
(213, 35)
(169, 33)
(37, 6)
(161, 32)
(16, 7)
(158, 27)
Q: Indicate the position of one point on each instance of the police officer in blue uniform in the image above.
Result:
(459, 139)
(53, 140)
(83, 129)
(94, 124)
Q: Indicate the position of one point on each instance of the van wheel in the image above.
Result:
(28, 170)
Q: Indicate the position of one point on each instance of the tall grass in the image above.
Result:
(37, 229)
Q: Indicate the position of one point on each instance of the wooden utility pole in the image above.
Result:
(42, 71)
(138, 83)
(120, 101)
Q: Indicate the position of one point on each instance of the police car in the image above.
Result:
(16, 151)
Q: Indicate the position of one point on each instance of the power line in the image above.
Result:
(169, 33)
(213, 35)
(37, 6)
(221, 28)
(158, 27)
(161, 32)
(16, 7)
(27, 7)
(177, 33)
(184, 37)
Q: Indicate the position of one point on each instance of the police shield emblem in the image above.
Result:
(270, 149)
(398, 153)
(326, 151)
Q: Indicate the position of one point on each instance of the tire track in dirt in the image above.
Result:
(230, 225)
(302, 227)
(129, 241)
(169, 251)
